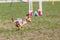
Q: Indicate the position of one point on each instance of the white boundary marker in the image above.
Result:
(40, 8)
(31, 8)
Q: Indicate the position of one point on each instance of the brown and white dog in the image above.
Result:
(19, 22)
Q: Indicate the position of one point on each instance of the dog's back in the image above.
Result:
(24, 21)
(20, 20)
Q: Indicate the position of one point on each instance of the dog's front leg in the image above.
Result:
(20, 26)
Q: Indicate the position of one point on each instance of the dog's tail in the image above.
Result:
(12, 19)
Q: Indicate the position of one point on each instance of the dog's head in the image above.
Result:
(28, 19)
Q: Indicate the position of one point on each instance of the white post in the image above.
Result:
(30, 7)
(40, 8)
(11, 1)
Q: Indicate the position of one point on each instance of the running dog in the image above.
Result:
(19, 22)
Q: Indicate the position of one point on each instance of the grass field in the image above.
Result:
(45, 27)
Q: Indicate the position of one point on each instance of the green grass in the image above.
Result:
(50, 20)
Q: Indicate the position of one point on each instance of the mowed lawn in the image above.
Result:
(45, 27)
